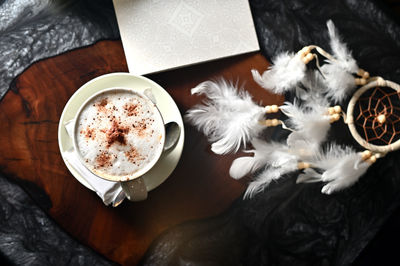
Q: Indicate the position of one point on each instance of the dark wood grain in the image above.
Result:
(199, 187)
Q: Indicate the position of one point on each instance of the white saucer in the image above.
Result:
(170, 112)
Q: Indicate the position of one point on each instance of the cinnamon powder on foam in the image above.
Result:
(119, 133)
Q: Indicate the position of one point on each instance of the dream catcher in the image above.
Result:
(230, 119)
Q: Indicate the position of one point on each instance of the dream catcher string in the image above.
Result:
(231, 119)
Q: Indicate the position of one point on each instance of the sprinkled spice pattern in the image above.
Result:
(119, 133)
(133, 155)
(89, 133)
(101, 106)
(103, 160)
(116, 133)
(131, 109)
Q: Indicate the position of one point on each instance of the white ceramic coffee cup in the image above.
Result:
(132, 183)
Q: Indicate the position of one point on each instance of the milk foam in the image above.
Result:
(119, 133)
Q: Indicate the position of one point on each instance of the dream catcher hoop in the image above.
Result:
(230, 119)
(377, 118)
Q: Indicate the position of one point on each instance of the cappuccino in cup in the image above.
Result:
(119, 134)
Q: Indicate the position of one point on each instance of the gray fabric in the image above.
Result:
(29, 237)
(33, 30)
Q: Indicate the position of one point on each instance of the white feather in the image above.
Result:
(339, 49)
(242, 166)
(301, 147)
(309, 176)
(261, 182)
(310, 125)
(286, 72)
(315, 87)
(344, 174)
(341, 167)
(273, 154)
(331, 156)
(338, 71)
(228, 118)
(268, 175)
(339, 83)
(274, 157)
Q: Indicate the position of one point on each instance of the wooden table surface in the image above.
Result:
(199, 187)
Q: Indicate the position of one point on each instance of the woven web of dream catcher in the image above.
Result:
(373, 105)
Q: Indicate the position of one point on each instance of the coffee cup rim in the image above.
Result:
(109, 177)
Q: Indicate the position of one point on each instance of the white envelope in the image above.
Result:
(159, 35)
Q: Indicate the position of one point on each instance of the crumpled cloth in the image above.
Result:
(37, 29)
(29, 237)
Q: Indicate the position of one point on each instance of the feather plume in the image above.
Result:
(340, 51)
(301, 147)
(339, 83)
(286, 72)
(244, 165)
(261, 182)
(345, 174)
(312, 91)
(331, 156)
(309, 176)
(273, 154)
(228, 118)
(274, 157)
(309, 125)
(267, 176)
(338, 71)
(341, 168)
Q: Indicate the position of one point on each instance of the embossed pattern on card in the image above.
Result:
(159, 35)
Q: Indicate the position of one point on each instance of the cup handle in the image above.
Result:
(135, 189)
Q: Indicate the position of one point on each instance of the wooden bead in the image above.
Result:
(337, 109)
(274, 108)
(304, 51)
(360, 81)
(275, 122)
(363, 74)
(381, 119)
(334, 110)
(365, 155)
(334, 118)
(271, 122)
(271, 108)
(303, 165)
(308, 58)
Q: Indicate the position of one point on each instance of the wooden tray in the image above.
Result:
(199, 187)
